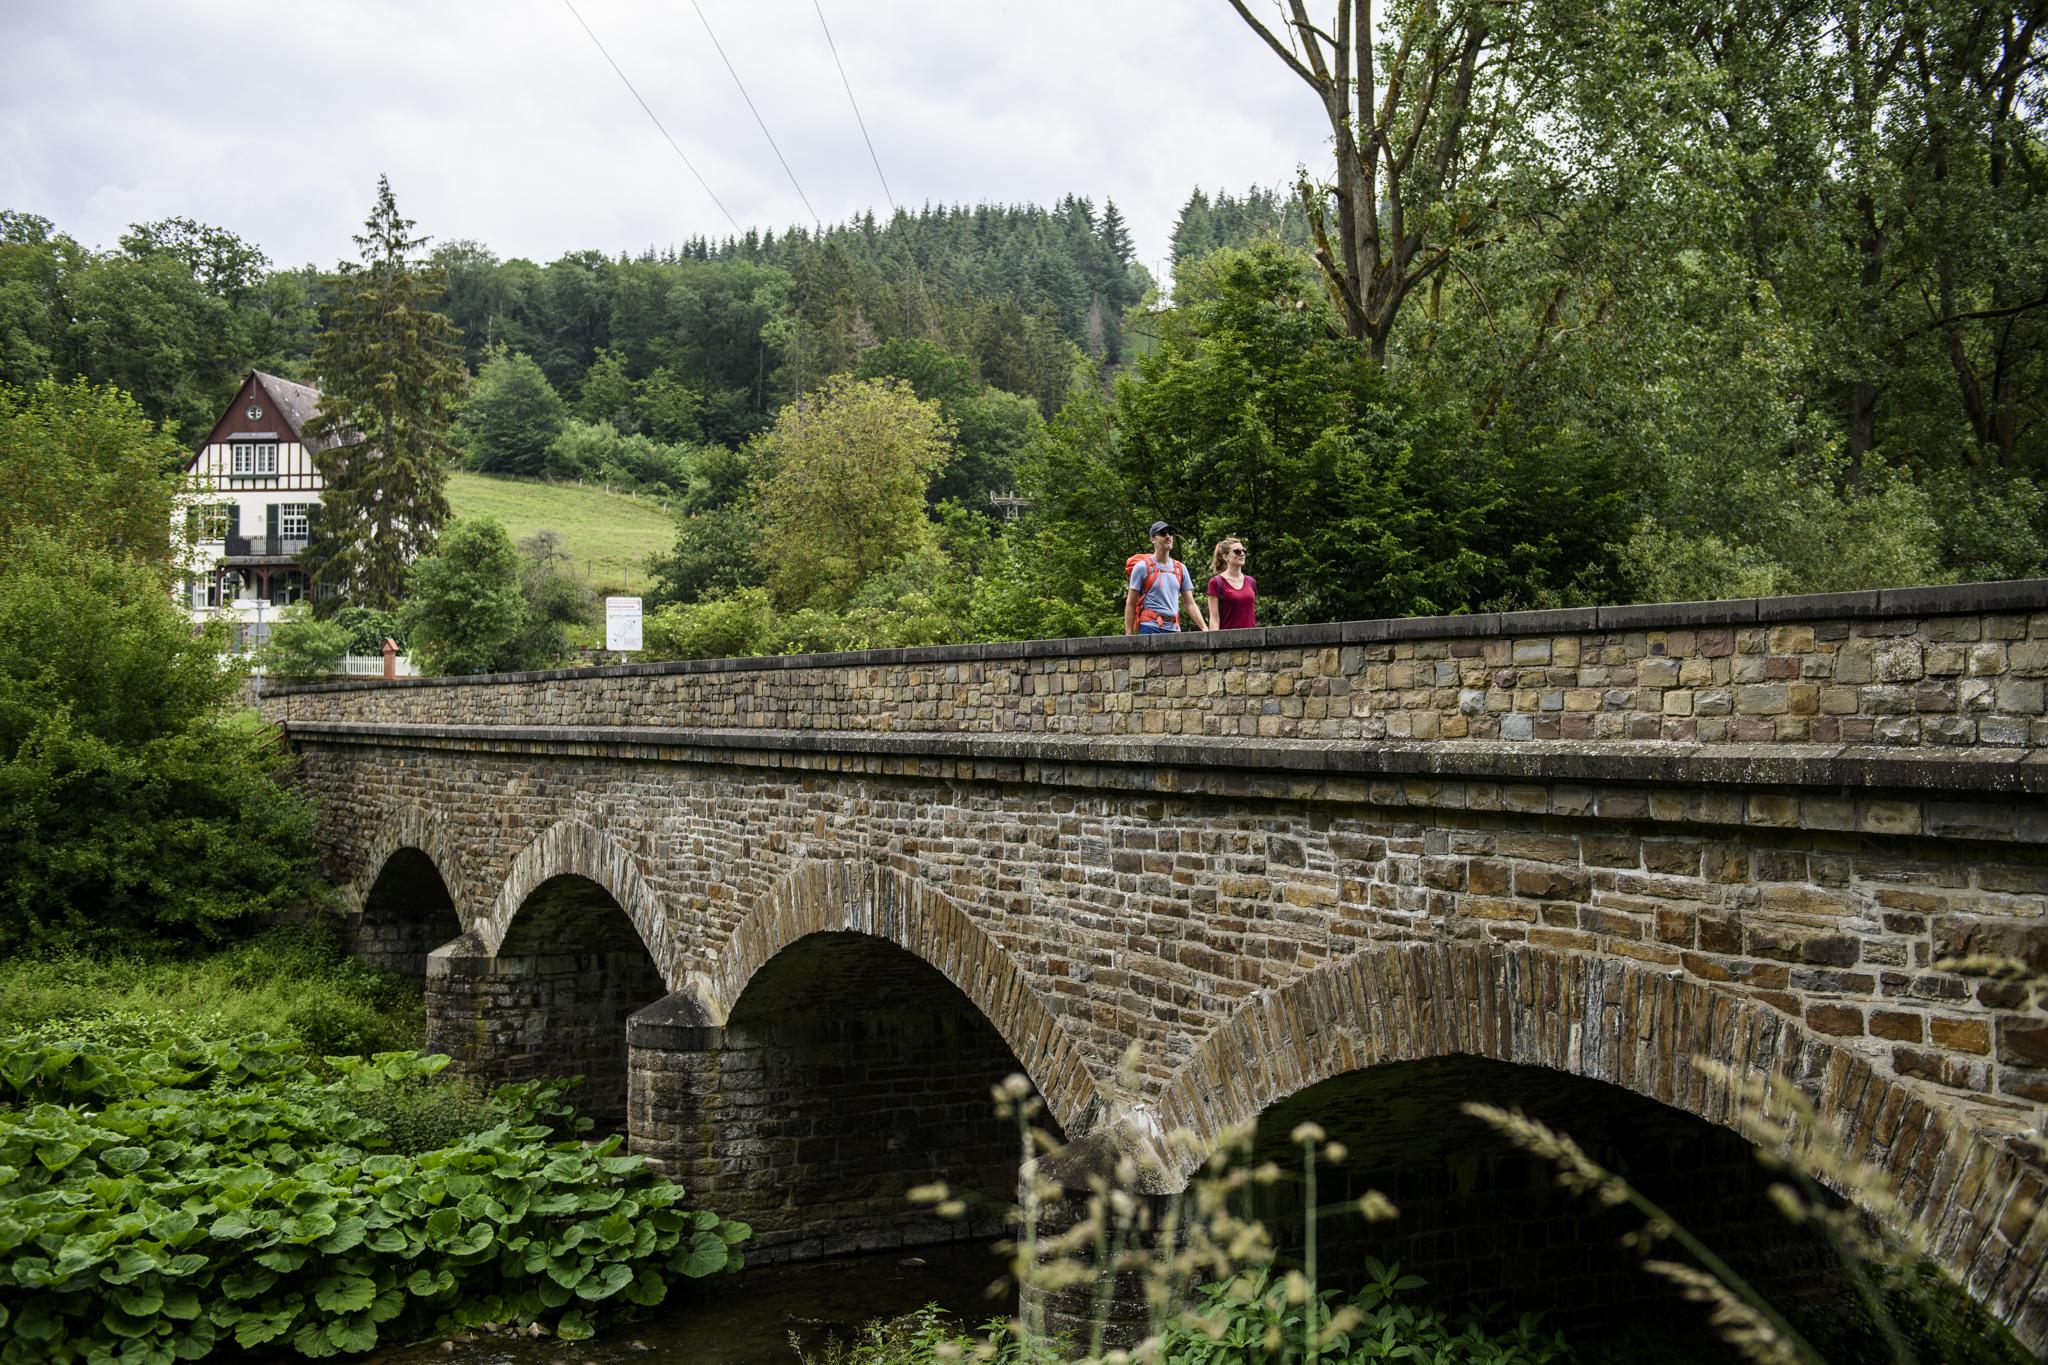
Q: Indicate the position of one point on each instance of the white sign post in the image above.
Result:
(622, 624)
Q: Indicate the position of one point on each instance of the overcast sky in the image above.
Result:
(499, 120)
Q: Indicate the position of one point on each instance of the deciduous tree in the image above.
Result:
(512, 417)
(84, 464)
(464, 612)
(849, 464)
(132, 804)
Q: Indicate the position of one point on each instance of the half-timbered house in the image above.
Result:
(259, 497)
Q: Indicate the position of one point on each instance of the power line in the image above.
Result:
(856, 106)
(657, 122)
(815, 221)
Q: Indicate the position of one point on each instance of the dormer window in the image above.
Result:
(254, 457)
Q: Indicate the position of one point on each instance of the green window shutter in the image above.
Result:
(270, 525)
(191, 525)
(312, 518)
(234, 518)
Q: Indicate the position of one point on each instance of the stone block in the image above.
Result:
(2028, 659)
(1837, 1020)
(1960, 1035)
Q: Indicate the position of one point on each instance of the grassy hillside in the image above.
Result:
(609, 535)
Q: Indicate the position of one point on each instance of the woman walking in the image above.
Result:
(1233, 593)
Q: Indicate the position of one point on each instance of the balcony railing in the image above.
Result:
(273, 546)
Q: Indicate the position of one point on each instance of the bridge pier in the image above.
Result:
(1114, 1175)
(520, 1016)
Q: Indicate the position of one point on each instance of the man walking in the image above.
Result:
(1159, 589)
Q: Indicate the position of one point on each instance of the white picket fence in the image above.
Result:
(361, 666)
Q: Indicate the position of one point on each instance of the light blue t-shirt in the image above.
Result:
(1167, 588)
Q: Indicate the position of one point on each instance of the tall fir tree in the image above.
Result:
(390, 369)
(1116, 235)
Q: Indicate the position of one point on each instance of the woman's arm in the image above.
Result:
(1215, 607)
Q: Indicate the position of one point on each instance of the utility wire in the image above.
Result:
(815, 221)
(856, 105)
(657, 122)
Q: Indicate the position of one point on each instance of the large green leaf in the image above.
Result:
(705, 1255)
(344, 1293)
(606, 1281)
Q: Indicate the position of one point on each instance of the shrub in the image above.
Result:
(131, 805)
(303, 648)
(464, 611)
(723, 626)
(368, 628)
(291, 981)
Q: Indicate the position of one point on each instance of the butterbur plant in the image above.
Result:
(162, 1201)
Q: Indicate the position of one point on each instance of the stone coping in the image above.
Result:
(1959, 599)
(1973, 773)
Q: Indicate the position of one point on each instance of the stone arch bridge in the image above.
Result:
(792, 916)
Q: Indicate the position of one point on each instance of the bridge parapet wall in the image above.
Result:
(1946, 669)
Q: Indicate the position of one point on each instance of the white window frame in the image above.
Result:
(253, 459)
(213, 521)
(294, 521)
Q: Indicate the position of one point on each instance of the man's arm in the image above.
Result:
(1130, 611)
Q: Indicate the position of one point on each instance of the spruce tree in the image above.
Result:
(389, 369)
(1116, 235)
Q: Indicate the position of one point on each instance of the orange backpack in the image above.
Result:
(1147, 616)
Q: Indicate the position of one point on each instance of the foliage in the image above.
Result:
(302, 647)
(161, 1199)
(512, 417)
(927, 1337)
(1255, 417)
(845, 489)
(1257, 1314)
(557, 597)
(84, 464)
(129, 806)
(389, 374)
(992, 429)
(596, 452)
(463, 611)
(173, 317)
(290, 981)
(1207, 223)
(368, 628)
(717, 537)
(719, 625)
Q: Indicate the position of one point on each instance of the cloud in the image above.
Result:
(503, 123)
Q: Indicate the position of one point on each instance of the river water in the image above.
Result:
(749, 1318)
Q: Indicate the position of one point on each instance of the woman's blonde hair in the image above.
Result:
(1216, 557)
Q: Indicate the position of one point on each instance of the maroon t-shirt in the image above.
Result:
(1235, 607)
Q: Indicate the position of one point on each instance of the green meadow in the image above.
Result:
(608, 535)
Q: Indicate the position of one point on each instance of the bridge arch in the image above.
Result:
(408, 896)
(848, 1035)
(825, 896)
(1635, 1028)
(411, 827)
(543, 983)
(575, 849)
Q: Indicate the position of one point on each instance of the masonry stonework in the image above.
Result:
(1599, 843)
